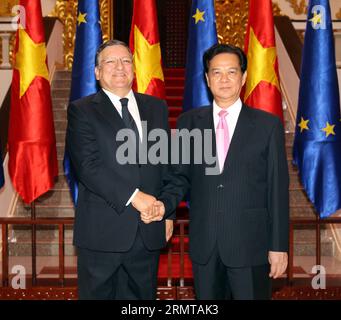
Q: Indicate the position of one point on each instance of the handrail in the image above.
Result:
(61, 222)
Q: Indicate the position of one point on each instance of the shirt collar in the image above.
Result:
(232, 110)
(116, 99)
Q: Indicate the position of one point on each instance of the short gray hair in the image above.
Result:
(110, 43)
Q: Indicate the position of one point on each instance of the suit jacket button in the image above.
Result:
(221, 186)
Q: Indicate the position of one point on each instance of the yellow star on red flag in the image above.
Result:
(147, 60)
(261, 65)
(30, 61)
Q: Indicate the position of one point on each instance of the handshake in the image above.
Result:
(149, 207)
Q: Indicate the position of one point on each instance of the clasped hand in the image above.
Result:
(149, 207)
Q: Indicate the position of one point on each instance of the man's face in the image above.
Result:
(115, 71)
(225, 78)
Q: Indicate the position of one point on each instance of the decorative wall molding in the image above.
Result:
(338, 14)
(232, 18)
(66, 11)
(6, 7)
(299, 6)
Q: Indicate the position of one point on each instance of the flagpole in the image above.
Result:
(318, 241)
(34, 260)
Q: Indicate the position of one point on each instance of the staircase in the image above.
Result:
(57, 202)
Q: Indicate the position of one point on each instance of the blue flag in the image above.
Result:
(88, 39)
(317, 145)
(2, 177)
(202, 34)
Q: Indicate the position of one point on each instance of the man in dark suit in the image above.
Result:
(238, 230)
(111, 238)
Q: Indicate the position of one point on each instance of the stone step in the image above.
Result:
(60, 136)
(292, 169)
(61, 84)
(288, 126)
(295, 181)
(61, 93)
(60, 125)
(62, 75)
(60, 182)
(60, 149)
(43, 248)
(307, 248)
(60, 103)
(305, 241)
(302, 211)
(298, 197)
(60, 115)
(47, 233)
(289, 138)
(288, 149)
(46, 211)
(55, 197)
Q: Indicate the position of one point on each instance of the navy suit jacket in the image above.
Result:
(245, 209)
(103, 222)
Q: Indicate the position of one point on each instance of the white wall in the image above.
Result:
(47, 6)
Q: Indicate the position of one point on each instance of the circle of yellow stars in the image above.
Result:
(328, 129)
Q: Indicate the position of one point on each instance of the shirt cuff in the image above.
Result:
(132, 196)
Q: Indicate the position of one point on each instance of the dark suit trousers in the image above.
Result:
(99, 273)
(215, 281)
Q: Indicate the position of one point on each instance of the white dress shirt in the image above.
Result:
(132, 107)
(134, 111)
(231, 118)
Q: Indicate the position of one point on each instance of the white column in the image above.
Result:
(5, 37)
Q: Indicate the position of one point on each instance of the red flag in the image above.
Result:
(31, 137)
(145, 45)
(262, 88)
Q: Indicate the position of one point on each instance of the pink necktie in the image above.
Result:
(222, 139)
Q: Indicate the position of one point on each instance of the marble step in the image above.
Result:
(61, 84)
(305, 241)
(60, 103)
(60, 125)
(62, 75)
(60, 114)
(43, 248)
(46, 211)
(60, 149)
(302, 211)
(61, 93)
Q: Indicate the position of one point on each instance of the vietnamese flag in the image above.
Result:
(31, 137)
(262, 88)
(145, 45)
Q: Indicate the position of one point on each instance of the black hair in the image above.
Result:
(224, 48)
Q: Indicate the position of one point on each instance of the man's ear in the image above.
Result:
(244, 77)
(207, 79)
(97, 73)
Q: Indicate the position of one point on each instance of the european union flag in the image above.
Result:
(317, 145)
(202, 35)
(88, 39)
(2, 177)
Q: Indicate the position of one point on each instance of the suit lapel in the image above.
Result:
(108, 111)
(205, 121)
(145, 116)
